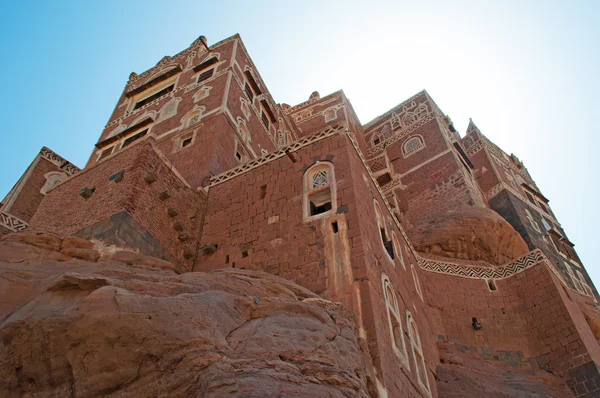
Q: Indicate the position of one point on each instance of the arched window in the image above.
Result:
(52, 178)
(394, 322)
(319, 190)
(416, 280)
(397, 249)
(193, 117)
(417, 350)
(412, 145)
(330, 114)
(385, 240)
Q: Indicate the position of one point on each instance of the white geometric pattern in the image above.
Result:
(319, 179)
(13, 223)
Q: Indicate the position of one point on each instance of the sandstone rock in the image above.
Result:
(80, 243)
(84, 254)
(460, 375)
(136, 259)
(109, 329)
(42, 240)
(469, 233)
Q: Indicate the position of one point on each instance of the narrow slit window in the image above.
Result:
(249, 91)
(388, 245)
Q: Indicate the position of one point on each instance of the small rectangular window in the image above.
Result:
(134, 138)
(106, 152)
(154, 96)
(205, 75)
(238, 156)
(186, 142)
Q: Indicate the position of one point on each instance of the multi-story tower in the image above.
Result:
(198, 165)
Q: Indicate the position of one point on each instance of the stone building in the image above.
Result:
(428, 237)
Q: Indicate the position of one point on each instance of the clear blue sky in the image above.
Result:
(525, 71)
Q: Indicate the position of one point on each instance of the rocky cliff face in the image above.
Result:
(469, 233)
(460, 375)
(81, 321)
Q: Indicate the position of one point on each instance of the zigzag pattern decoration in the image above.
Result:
(468, 271)
(13, 223)
(59, 161)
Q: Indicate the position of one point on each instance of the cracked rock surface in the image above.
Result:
(93, 326)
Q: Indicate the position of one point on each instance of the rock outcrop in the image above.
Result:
(81, 320)
(469, 233)
(460, 375)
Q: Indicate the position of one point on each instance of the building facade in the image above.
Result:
(200, 166)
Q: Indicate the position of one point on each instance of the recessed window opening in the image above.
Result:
(206, 64)
(106, 152)
(492, 284)
(264, 118)
(376, 141)
(320, 201)
(186, 142)
(249, 91)
(238, 155)
(227, 259)
(244, 254)
(205, 75)
(319, 189)
(387, 242)
(530, 197)
(154, 96)
(263, 191)
(334, 227)
(250, 80)
(134, 137)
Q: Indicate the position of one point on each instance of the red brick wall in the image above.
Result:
(29, 197)
(132, 194)
(529, 313)
(260, 212)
